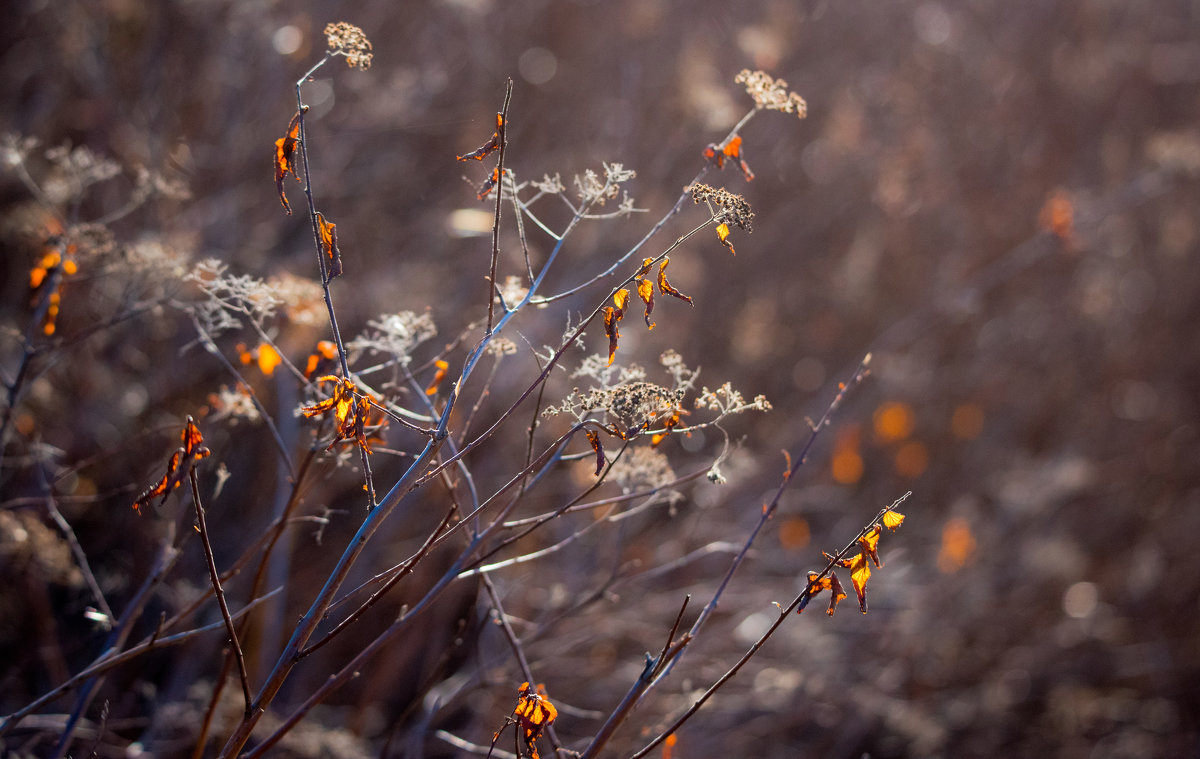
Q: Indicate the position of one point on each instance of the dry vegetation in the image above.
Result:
(417, 490)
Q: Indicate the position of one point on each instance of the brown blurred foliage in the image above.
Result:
(998, 199)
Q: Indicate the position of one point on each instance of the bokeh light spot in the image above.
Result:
(847, 463)
(1080, 600)
(958, 546)
(894, 421)
(794, 534)
(967, 421)
(912, 459)
(287, 39)
(537, 65)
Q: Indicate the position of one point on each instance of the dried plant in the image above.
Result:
(388, 394)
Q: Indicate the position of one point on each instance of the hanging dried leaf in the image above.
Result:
(612, 315)
(892, 519)
(486, 148)
(178, 467)
(488, 184)
(723, 236)
(350, 407)
(869, 543)
(534, 713)
(285, 149)
(816, 584)
(329, 246)
(731, 149)
(860, 573)
(664, 286)
(594, 440)
(645, 291)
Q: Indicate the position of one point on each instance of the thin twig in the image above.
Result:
(216, 584)
(518, 651)
(769, 509)
(796, 603)
(502, 132)
(76, 549)
(109, 661)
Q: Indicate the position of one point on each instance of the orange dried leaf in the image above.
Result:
(621, 300)
(892, 519)
(723, 236)
(612, 315)
(488, 184)
(836, 593)
(285, 149)
(816, 584)
(610, 329)
(645, 291)
(732, 149)
(268, 358)
(350, 408)
(178, 466)
(486, 148)
(664, 286)
(329, 246)
(438, 376)
(534, 713)
(669, 424)
(869, 543)
(244, 354)
(594, 440)
(860, 572)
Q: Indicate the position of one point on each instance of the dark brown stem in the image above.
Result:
(654, 667)
(518, 651)
(502, 131)
(406, 568)
(302, 109)
(216, 584)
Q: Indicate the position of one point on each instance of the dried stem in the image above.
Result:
(201, 523)
(797, 603)
(502, 132)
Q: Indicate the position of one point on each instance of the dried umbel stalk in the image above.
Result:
(349, 41)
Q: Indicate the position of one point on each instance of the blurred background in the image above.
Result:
(997, 200)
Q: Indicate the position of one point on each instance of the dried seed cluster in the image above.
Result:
(771, 93)
(733, 208)
(348, 40)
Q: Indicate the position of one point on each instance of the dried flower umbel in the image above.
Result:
(349, 41)
(771, 93)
